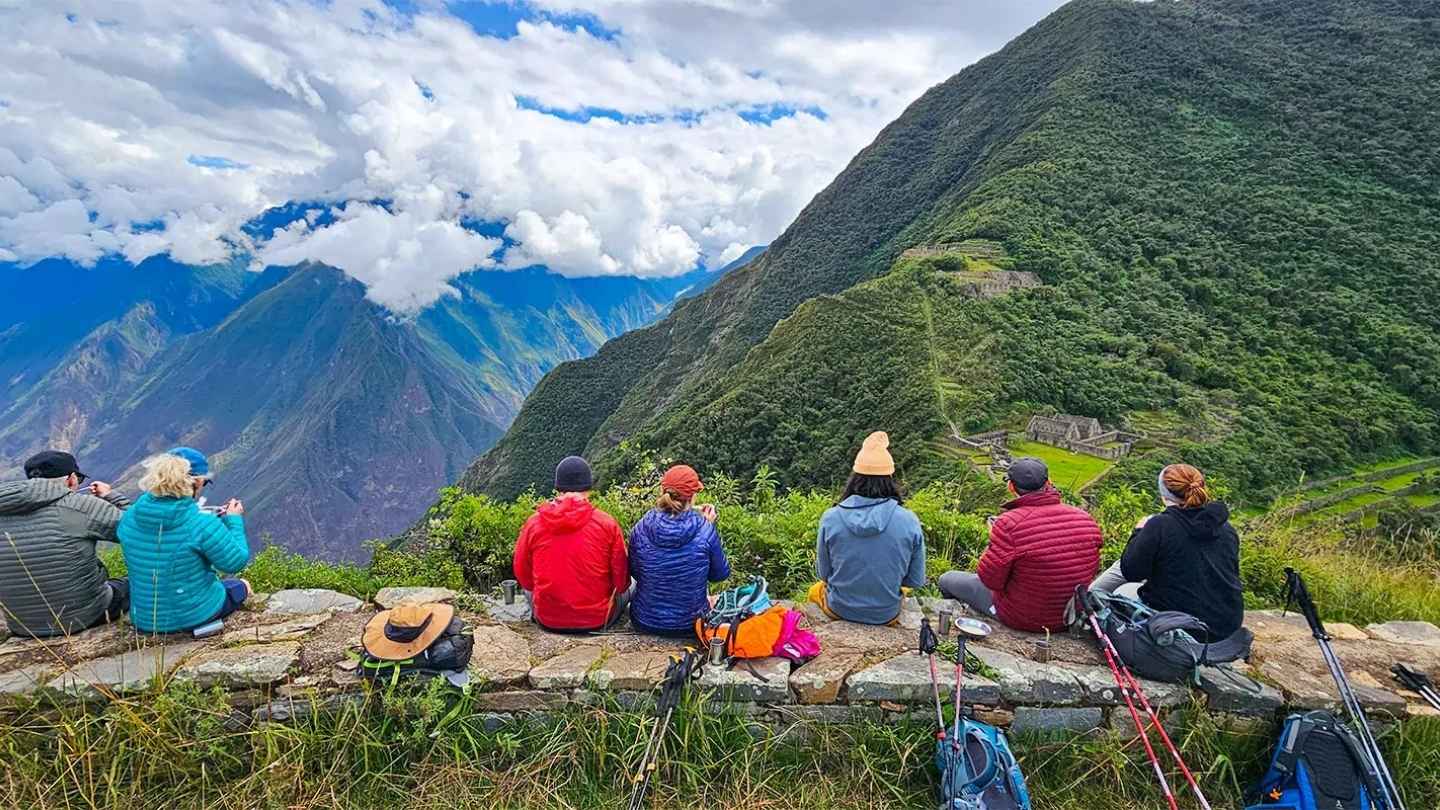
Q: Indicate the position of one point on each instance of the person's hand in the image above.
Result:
(707, 511)
(99, 489)
(233, 507)
(990, 521)
(1140, 524)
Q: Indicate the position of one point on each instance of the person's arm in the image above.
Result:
(102, 518)
(915, 577)
(822, 553)
(619, 561)
(524, 573)
(719, 565)
(998, 558)
(1137, 562)
(222, 542)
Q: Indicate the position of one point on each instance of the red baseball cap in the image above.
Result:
(682, 480)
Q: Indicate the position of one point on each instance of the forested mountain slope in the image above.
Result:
(1234, 207)
(335, 420)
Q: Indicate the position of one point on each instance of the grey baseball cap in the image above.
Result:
(1028, 474)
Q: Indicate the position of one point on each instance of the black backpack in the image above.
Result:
(1318, 765)
(1162, 645)
(448, 653)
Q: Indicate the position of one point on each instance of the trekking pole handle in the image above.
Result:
(1295, 591)
(928, 641)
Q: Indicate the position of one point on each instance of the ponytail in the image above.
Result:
(672, 502)
(1187, 484)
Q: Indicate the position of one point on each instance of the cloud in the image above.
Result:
(609, 136)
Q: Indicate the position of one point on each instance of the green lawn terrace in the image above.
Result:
(1361, 495)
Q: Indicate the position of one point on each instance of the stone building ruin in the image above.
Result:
(1081, 434)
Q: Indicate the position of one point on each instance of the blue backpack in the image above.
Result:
(1318, 765)
(984, 775)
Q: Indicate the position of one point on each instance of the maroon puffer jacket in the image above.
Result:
(1040, 549)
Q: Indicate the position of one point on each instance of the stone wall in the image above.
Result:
(288, 655)
(994, 283)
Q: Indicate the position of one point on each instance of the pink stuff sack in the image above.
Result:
(796, 643)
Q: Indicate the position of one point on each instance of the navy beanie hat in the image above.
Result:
(572, 474)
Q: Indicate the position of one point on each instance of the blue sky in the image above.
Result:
(600, 137)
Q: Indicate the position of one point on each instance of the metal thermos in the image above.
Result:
(508, 589)
(717, 651)
(945, 619)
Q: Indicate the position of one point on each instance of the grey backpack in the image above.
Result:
(1162, 645)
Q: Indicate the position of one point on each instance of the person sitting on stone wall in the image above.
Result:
(1040, 550)
(869, 547)
(1186, 558)
(173, 547)
(51, 582)
(674, 552)
(571, 558)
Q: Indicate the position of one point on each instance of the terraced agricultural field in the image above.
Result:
(1371, 487)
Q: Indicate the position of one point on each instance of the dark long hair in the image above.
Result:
(873, 486)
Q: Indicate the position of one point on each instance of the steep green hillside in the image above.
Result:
(1232, 205)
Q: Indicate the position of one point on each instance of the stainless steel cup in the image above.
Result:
(508, 589)
(717, 651)
(944, 616)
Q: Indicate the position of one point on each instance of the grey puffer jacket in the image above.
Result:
(51, 582)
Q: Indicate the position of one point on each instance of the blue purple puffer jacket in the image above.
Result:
(672, 557)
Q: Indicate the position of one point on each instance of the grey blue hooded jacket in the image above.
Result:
(867, 548)
(51, 582)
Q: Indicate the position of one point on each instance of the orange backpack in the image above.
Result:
(754, 637)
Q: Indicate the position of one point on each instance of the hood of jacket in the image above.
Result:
(565, 514)
(1202, 524)
(867, 517)
(152, 513)
(672, 531)
(31, 495)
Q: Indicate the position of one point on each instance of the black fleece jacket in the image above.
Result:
(1190, 561)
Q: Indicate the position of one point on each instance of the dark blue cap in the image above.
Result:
(1027, 474)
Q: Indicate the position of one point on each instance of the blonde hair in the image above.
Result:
(1188, 485)
(672, 502)
(168, 476)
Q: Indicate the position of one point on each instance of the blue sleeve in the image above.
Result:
(223, 544)
(719, 566)
(915, 577)
(637, 560)
(822, 552)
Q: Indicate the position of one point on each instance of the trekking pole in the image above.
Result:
(672, 686)
(928, 642)
(1140, 728)
(1418, 683)
(1298, 594)
(1128, 685)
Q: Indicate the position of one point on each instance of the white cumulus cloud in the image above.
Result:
(607, 137)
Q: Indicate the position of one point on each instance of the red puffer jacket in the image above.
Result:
(571, 557)
(1040, 549)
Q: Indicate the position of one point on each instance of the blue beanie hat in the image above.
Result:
(199, 465)
(572, 474)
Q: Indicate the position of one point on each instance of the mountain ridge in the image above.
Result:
(1176, 175)
(333, 418)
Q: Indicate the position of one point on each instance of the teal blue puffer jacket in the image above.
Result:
(172, 550)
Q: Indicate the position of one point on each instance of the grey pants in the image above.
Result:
(1112, 580)
(967, 588)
